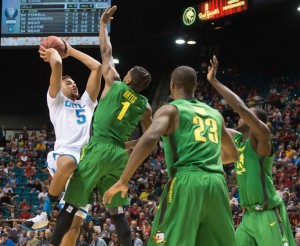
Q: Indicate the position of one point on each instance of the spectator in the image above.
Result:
(25, 214)
(297, 237)
(2, 136)
(114, 239)
(281, 190)
(145, 193)
(134, 226)
(135, 199)
(13, 232)
(286, 197)
(146, 226)
(96, 208)
(1, 192)
(105, 233)
(6, 199)
(82, 241)
(135, 241)
(24, 134)
(13, 181)
(5, 240)
(32, 240)
(290, 153)
(90, 231)
(111, 226)
(43, 194)
(97, 241)
(103, 217)
(146, 238)
(22, 240)
(8, 189)
(45, 237)
(24, 204)
(37, 186)
(29, 171)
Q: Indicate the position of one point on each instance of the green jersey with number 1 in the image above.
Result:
(118, 114)
(197, 140)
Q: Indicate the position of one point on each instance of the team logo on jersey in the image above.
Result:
(159, 238)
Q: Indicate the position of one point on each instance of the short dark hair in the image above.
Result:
(185, 77)
(66, 77)
(140, 78)
(261, 114)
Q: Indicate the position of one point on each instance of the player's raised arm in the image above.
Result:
(108, 67)
(93, 83)
(261, 135)
(52, 56)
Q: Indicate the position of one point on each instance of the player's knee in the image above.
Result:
(66, 167)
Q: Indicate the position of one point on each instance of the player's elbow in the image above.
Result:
(240, 107)
(97, 67)
(106, 51)
(153, 138)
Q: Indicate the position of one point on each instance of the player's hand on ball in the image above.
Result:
(68, 49)
(49, 54)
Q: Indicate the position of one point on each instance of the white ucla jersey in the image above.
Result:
(71, 120)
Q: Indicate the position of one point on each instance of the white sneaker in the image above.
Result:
(39, 222)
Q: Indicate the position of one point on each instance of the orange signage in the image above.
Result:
(214, 9)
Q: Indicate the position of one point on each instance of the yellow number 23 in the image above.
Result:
(199, 131)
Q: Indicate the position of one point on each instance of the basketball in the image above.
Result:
(56, 43)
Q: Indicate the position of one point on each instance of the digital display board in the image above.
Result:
(214, 9)
(26, 22)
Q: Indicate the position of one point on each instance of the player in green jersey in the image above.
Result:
(265, 221)
(103, 159)
(194, 207)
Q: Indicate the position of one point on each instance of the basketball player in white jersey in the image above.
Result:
(71, 118)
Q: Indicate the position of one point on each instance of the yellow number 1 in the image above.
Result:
(124, 109)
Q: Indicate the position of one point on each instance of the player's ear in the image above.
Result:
(128, 81)
(172, 85)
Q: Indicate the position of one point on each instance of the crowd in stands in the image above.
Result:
(25, 179)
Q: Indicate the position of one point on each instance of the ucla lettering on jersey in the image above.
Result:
(70, 104)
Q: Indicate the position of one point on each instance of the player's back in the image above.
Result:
(197, 139)
(118, 114)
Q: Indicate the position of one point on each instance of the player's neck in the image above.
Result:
(246, 134)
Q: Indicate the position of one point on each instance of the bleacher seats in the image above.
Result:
(34, 209)
(18, 191)
(26, 195)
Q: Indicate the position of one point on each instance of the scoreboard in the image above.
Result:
(39, 18)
